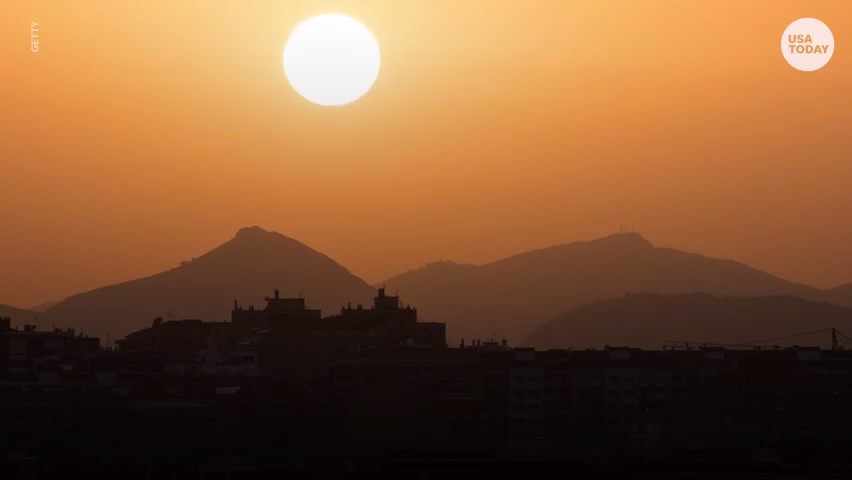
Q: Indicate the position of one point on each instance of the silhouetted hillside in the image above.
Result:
(44, 306)
(513, 296)
(19, 316)
(841, 295)
(649, 320)
(246, 268)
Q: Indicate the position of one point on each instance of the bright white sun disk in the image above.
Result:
(331, 60)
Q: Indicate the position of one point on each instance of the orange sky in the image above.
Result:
(144, 133)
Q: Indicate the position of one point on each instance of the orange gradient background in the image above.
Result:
(144, 133)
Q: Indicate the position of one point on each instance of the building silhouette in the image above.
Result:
(30, 349)
(283, 385)
(284, 339)
(278, 312)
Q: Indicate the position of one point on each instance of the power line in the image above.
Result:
(754, 343)
(788, 336)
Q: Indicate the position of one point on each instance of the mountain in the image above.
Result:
(841, 295)
(246, 268)
(649, 320)
(512, 297)
(44, 306)
(18, 316)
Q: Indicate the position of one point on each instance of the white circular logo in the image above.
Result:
(807, 44)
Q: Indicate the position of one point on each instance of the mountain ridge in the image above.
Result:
(648, 320)
(245, 268)
(518, 293)
(510, 297)
(43, 306)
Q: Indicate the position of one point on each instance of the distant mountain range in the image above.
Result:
(512, 297)
(247, 268)
(508, 298)
(649, 320)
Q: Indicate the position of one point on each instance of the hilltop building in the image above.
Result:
(288, 339)
(386, 322)
(355, 328)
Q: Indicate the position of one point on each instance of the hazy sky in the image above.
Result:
(143, 133)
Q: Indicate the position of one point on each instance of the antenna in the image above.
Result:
(834, 346)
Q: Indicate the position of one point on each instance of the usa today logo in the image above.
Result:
(807, 44)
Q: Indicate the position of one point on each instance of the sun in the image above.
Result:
(331, 60)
